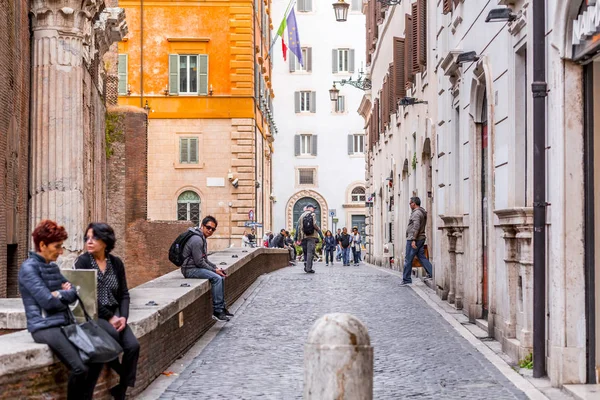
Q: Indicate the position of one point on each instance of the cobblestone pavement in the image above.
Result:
(418, 355)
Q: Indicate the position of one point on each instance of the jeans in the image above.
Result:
(308, 245)
(81, 378)
(356, 255)
(346, 255)
(411, 253)
(338, 252)
(329, 256)
(216, 282)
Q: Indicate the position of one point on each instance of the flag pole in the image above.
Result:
(289, 7)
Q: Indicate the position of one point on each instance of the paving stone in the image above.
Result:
(418, 355)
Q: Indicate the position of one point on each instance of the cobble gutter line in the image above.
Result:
(520, 382)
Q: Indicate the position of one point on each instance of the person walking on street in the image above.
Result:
(197, 266)
(345, 241)
(308, 233)
(356, 243)
(330, 245)
(338, 237)
(415, 240)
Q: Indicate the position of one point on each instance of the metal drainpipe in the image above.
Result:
(539, 91)
(142, 54)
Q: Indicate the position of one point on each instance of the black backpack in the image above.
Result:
(308, 225)
(176, 249)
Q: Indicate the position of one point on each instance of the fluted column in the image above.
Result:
(64, 45)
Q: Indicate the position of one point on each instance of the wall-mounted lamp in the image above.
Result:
(128, 90)
(340, 8)
(147, 106)
(210, 91)
(410, 101)
(501, 15)
(469, 56)
(166, 91)
(235, 183)
(257, 184)
(334, 93)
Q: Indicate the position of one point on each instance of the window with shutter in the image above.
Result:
(378, 13)
(399, 66)
(173, 73)
(306, 145)
(314, 142)
(368, 33)
(297, 96)
(188, 150)
(447, 6)
(343, 61)
(203, 74)
(188, 207)
(313, 102)
(391, 91)
(340, 104)
(356, 5)
(350, 144)
(375, 26)
(422, 29)
(122, 74)
(306, 176)
(183, 150)
(334, 61)
(297, 145)
(307, 55)
(351, 61)
(301, 5)
(408, 50)
(416, 37)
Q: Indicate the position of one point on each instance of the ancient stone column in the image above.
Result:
(65, 47)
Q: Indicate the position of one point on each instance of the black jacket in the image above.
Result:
(84, 261)
(37, 281)
(278, 241)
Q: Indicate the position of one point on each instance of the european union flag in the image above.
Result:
(293, 37)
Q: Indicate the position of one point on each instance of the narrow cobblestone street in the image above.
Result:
(418, 355)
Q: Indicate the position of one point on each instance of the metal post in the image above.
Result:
(338, 359)
(539, 91)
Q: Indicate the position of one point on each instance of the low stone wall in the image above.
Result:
(165, 331)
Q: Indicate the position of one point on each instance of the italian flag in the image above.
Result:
(280, 33)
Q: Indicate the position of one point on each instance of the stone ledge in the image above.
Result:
(18, 351)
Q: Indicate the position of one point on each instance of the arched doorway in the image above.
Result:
(299, 208)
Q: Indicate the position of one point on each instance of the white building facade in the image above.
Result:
(463, 143)
(320, 153)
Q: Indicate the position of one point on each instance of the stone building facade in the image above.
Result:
(455, 128)
(206, 87)
(320, 156)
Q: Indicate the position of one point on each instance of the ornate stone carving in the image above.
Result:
(307, 193)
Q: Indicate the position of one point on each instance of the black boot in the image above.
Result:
(119, 392)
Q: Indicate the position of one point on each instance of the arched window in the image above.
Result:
(358, 195)
(188, 207)
(299, 209)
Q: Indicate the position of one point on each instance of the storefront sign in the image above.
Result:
(587, 24)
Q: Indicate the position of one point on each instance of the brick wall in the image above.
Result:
(159, 347)
(14, 135)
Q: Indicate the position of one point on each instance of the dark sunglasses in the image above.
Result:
(94, 238)
(210, 228)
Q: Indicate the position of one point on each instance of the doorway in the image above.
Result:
(484, 153)
(359, 222)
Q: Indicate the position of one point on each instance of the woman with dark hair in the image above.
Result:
(330, 246)
(113, 300)
(46, 295)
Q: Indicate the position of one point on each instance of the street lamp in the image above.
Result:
(501, 15)
(341, 10)
(334, 93)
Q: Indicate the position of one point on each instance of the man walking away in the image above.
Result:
(356, 246)
(338, 238)
(415, 240)
(307, 233)
(197, 266)
(345, 241)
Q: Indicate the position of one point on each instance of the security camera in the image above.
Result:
(235, 183)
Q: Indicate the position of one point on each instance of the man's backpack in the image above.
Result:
(308, 225)
(176, 249)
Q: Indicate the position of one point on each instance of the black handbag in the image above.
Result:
(95, 345)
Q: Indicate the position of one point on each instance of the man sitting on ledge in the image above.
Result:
(197, 266)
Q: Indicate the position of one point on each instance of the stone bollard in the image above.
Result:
(338, 360)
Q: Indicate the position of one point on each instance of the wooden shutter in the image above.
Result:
(351, 53)
(356, 5)
(203, 74)
(297, 102)
(308, 5)
(456, 3)
(378, 13)
(447, 6)
(301, 5)
(173, 73)
(374, 11)
(193, 150)
(122, 73)
(313, 102)
(369, 33)
(313, 143)
(408, 50)
(391, 92)
(422, 31)
(343, 104)
(334, 61)
(414, 61)
(399, 66)
(297, 145)
(309, 59)
(350, 144)
(377, 119)
(183, 150)
(292, 61)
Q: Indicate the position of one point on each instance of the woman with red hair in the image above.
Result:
(46, 295)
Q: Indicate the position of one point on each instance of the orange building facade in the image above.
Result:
(200, 69)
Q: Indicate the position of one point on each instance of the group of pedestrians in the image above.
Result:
(47, 294)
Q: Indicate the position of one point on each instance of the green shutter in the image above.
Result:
(193, 145)
(203, 74)
(122, 73)
(183, 151)
(334, 61)
(173, 74)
